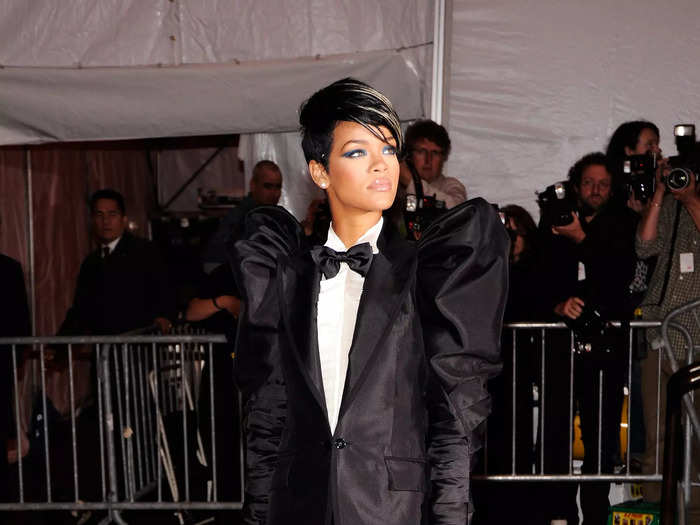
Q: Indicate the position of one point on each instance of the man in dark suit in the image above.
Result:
(122, 285)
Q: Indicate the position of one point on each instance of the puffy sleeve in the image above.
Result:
(461, 292)
(270, 234)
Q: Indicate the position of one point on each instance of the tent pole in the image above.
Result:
(438, 62)
(30, 234)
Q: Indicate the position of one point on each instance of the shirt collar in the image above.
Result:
(371, 236)
(112, 244)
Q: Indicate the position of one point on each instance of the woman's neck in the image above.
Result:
(350, 229)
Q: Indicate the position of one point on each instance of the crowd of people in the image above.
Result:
(617, 257)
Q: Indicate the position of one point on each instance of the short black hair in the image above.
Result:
(108, 193)
(627, 135)
(597, 158)
(431, 130)
(346, 100)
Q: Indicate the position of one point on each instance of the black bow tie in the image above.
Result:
(358, 258)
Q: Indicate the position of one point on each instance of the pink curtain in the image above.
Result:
(60, 230)
(13, 207)
(63, 178)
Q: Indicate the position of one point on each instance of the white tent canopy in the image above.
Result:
(531, 86)
(49, 104)
(81, 70)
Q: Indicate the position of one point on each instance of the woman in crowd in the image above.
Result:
(638, 137)
(363, 362)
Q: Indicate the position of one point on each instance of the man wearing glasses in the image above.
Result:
(428, 146)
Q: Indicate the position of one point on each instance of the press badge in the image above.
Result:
(582, 270)
(687, 265)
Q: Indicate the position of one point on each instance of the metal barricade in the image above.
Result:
(118, 423)
(146, 440)
(537, 471)
(681, 388)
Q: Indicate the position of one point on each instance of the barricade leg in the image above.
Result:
(112, 495)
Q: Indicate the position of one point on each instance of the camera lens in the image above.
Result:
(678, 178)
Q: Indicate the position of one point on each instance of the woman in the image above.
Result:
(638, 137)
(363, 371)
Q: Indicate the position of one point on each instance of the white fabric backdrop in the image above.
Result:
(145, 68)
(533, 85)
(536, 85)
(100, 33)
(51, 104)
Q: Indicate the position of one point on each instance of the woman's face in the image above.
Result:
(363, 171)
(647, 142)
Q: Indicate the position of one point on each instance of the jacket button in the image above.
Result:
(340, 443)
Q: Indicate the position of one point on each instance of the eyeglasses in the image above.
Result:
(424, 152)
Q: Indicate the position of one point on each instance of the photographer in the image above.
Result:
(670, 230)
(634, 152)
(428, 147)
(589, 264)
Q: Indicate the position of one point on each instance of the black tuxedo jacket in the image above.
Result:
(426, 339)
(124, 291)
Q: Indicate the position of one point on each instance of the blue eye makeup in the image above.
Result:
(354, 153)
(389, 150)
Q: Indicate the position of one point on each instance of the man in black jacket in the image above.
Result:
(589, 264)
(122, 285)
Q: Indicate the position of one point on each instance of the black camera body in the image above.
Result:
(594, 337)
(419, 213)
(640, 175)
(420, 210)
(557, 204)
(687, 163)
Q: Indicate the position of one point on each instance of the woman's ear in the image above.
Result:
(319, 174)
(629, 151)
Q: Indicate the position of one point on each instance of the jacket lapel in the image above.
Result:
(385, 287)
(300, 284)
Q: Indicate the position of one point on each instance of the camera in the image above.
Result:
(420, 210)
(593, 336)
(687, 163)
(557, 203)
(640, 175)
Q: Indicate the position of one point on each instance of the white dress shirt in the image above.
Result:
(338, 301)
(111, 246)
